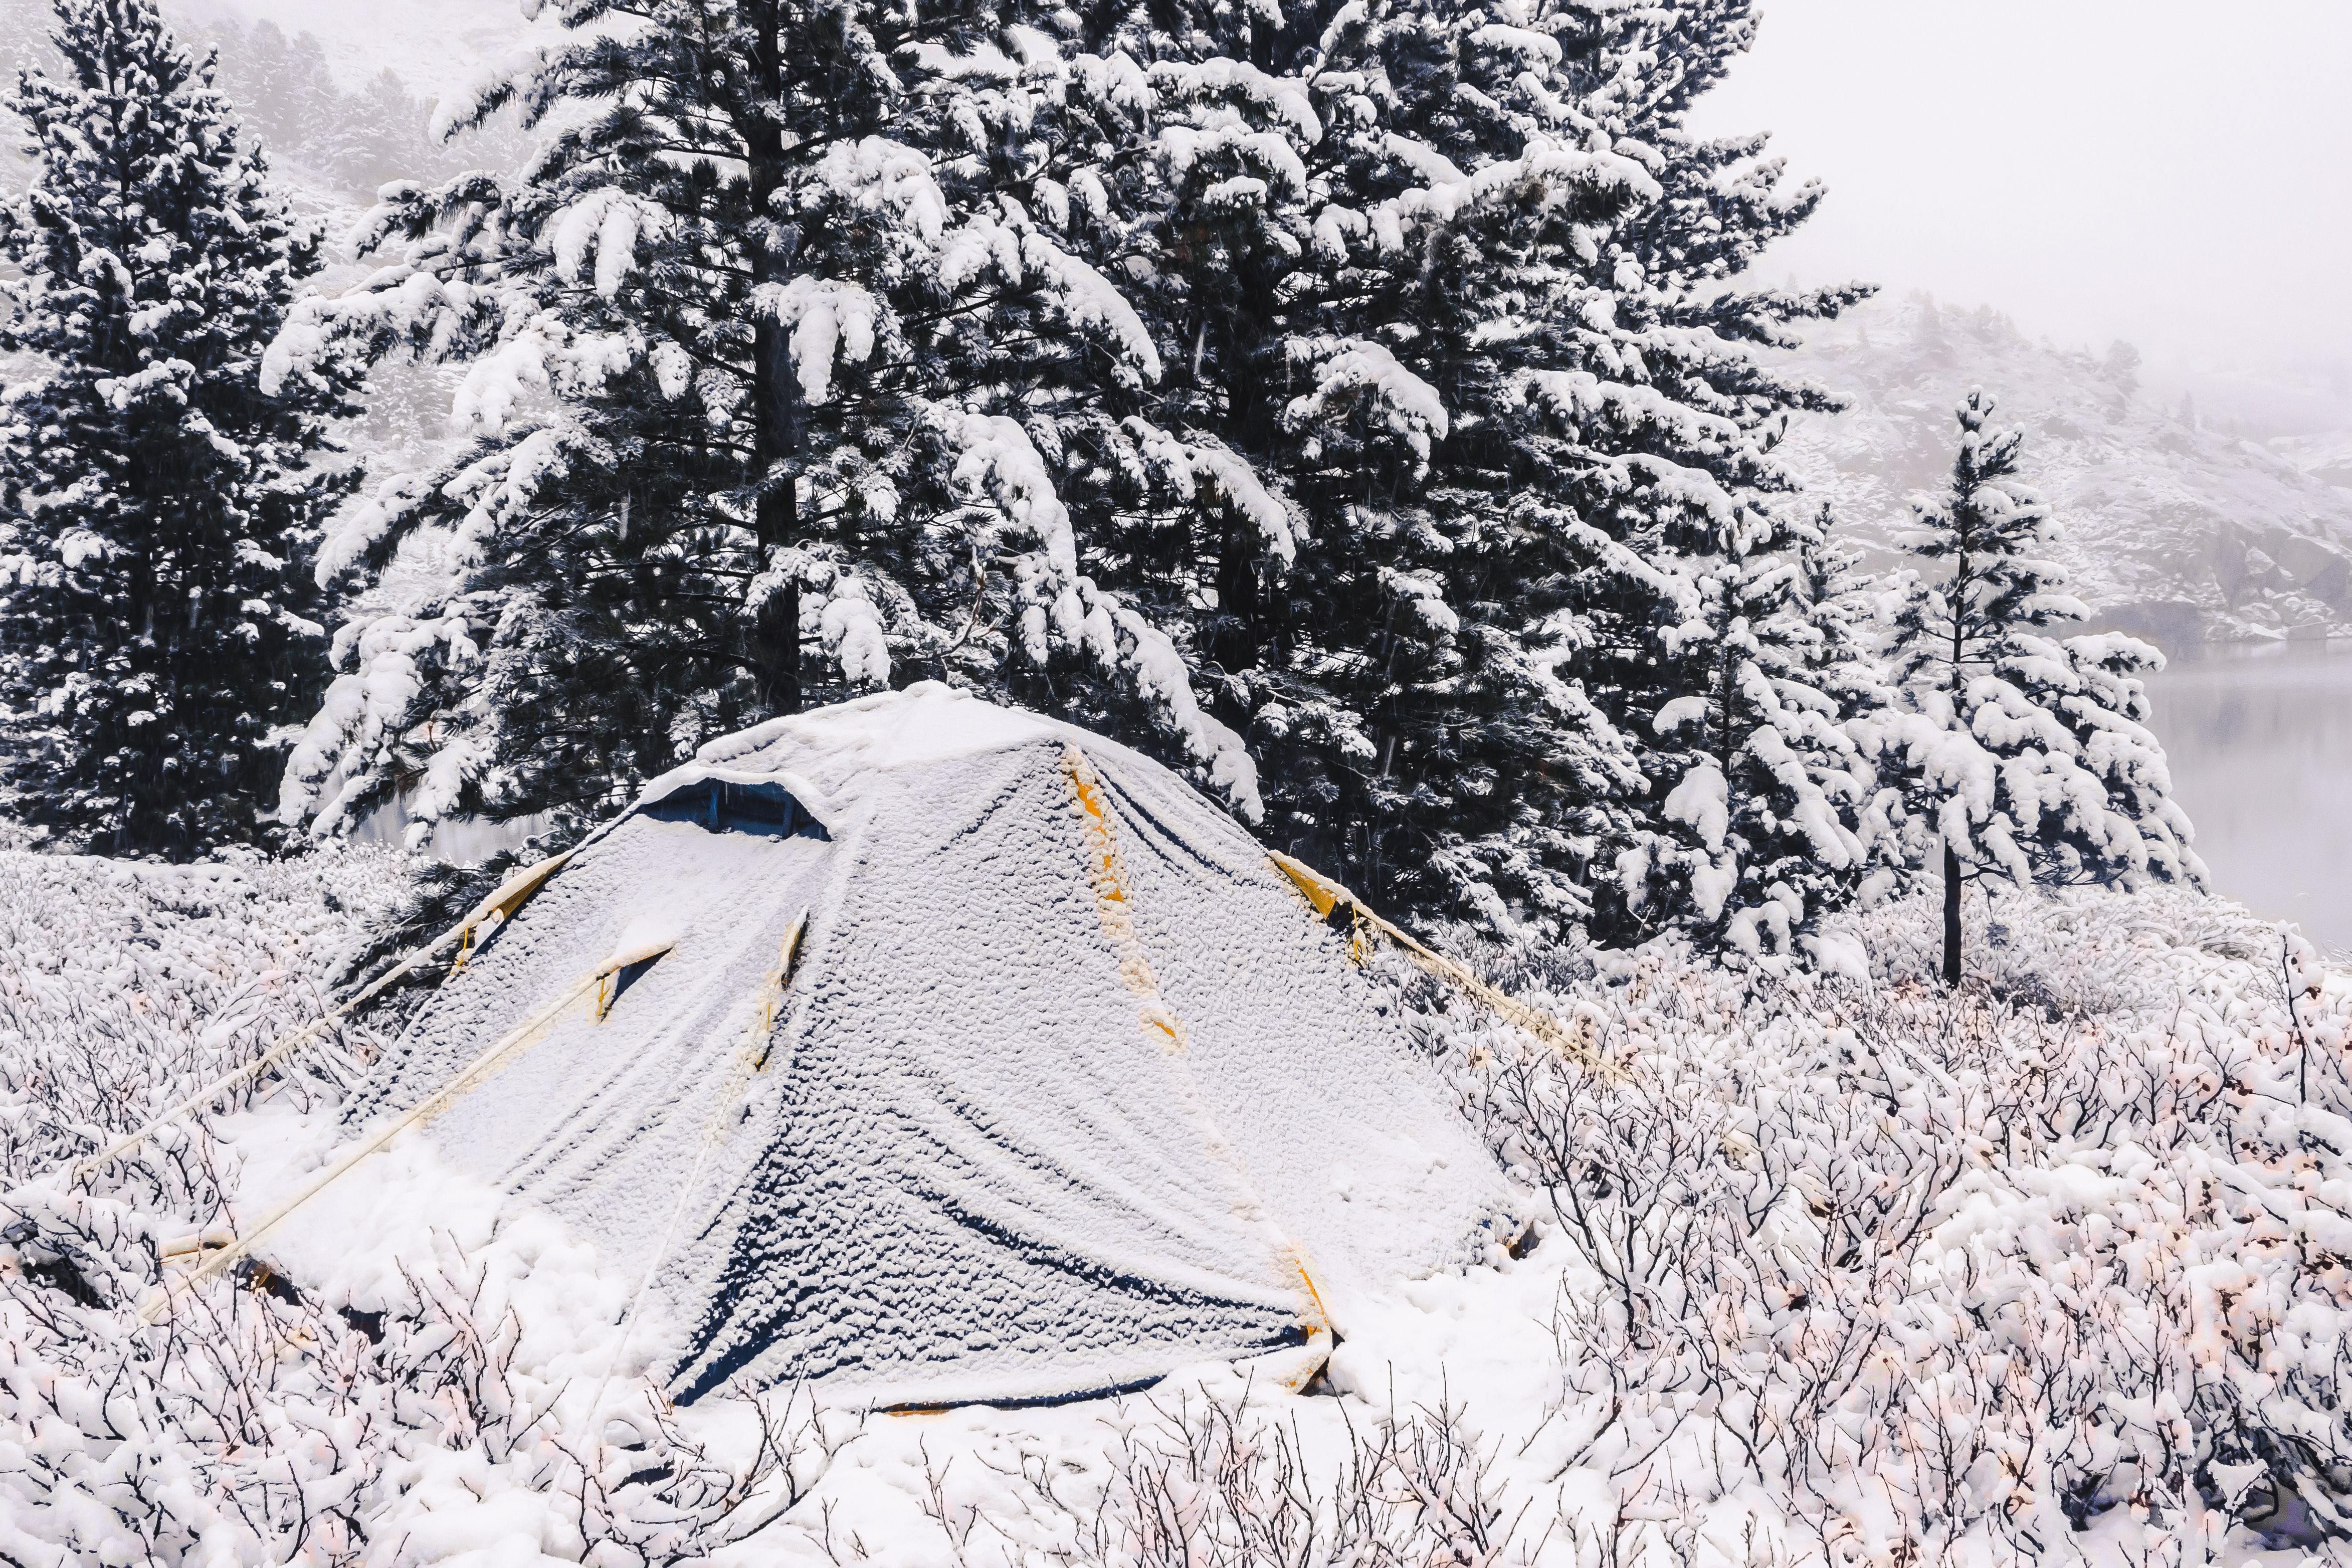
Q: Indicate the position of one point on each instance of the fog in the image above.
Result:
(2168, 173)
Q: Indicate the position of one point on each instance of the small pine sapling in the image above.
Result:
(1773, 819)
(2029, 753)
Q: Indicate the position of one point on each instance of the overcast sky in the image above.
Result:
(2176, 174)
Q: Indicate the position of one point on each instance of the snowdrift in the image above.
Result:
(1061, 1087)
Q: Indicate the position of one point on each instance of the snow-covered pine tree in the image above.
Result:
(1313, 635)
(2028, 755)
(382, 125)
(286, 82)
(1775, 817)
(1677, 418)
(1469, 304)
(782, 354)
(2121, 367)
(157, 615)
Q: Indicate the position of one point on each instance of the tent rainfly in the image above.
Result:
(952, 1054)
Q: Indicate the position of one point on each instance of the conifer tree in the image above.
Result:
(1775, 817)
(2028, 754)
(1705, 648)
(2121, 367)
(160, 622)
(288, 84)
(781, 357)
(1460, 298)
(288, 101)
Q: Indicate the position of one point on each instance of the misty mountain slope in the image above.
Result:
(2173, 527)
(333, 133)
(435, 45)
(2327, 455)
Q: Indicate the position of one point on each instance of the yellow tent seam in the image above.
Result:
(1115, 910)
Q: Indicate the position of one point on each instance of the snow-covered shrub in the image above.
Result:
(2065, 1248)
(472, 1456)
(1206, 1477)
(229, 1429)
(125, 986)
(252, 1422)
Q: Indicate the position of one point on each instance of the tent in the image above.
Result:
(942, 1053)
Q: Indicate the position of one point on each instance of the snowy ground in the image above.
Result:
(1837, 1270)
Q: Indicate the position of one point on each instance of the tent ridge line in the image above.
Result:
(811, 940)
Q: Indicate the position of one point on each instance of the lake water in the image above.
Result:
(2260, 740)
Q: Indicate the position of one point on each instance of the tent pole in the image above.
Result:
(1114, 909)
(751, 1059)
(499, 906)
(471, 1074)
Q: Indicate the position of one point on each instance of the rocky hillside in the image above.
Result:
(2218, 518)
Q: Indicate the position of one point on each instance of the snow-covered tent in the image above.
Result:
(1066, 1086)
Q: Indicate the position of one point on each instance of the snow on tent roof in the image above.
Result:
(1068, 1089)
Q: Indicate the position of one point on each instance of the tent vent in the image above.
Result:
(765, 809)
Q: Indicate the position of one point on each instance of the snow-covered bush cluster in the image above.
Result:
(1839, 1267)
(1200, 1478)
(2065, 1251)
(258, 1420)
(124, 986)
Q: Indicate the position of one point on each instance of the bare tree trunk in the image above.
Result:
(1951, 914)
(776, 644)
(775, 633)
